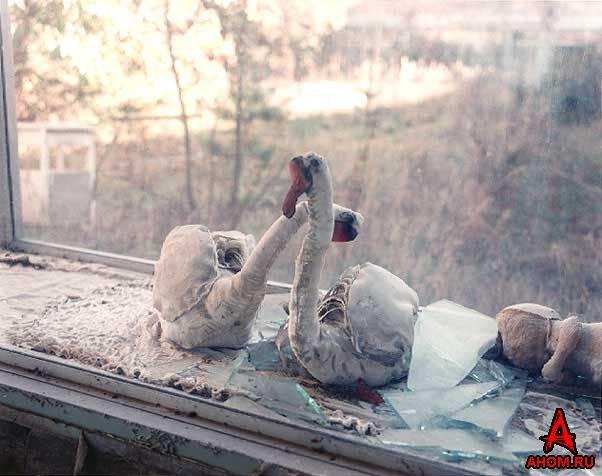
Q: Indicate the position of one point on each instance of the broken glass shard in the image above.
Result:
(266, 330)
(285, 397)
(449, 339)
(492, 414)
(521, 443)
(217, 374)
(481, 372)
(262, 350)
(451, 443)
(490, 370)
(464, 443)
(270, 318)
(417, 408)
(264, 355)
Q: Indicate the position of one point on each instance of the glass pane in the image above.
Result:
(443, 353)
(472, 148)
(468, 134)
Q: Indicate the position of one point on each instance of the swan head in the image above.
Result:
(307, 172)
(347, 224)
(303, 170)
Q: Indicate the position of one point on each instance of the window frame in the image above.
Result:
(341, 451)
(10, 197)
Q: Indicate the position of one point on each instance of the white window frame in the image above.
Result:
(295, 445)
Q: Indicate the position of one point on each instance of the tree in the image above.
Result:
(170, 32)
(246, 68)
(46, 79)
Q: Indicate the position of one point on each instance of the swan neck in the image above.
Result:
(321, 214)
(251, 281)
(303, 322)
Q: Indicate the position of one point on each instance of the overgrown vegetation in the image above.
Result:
(478, 196)
(480, 201)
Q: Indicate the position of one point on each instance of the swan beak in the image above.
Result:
(299, 185)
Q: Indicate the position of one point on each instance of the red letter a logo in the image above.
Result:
(559, 434)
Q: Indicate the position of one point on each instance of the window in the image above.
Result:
(466, 133)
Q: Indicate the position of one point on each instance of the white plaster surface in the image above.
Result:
(98, 316)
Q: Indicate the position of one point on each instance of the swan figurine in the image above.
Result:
(362, 330)
(208, 285)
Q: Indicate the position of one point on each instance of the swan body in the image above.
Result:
(379, 311)
(363, 327)
(208, 286)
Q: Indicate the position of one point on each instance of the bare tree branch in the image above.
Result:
(169, 33)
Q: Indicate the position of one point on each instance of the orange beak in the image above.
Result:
(298, 187)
